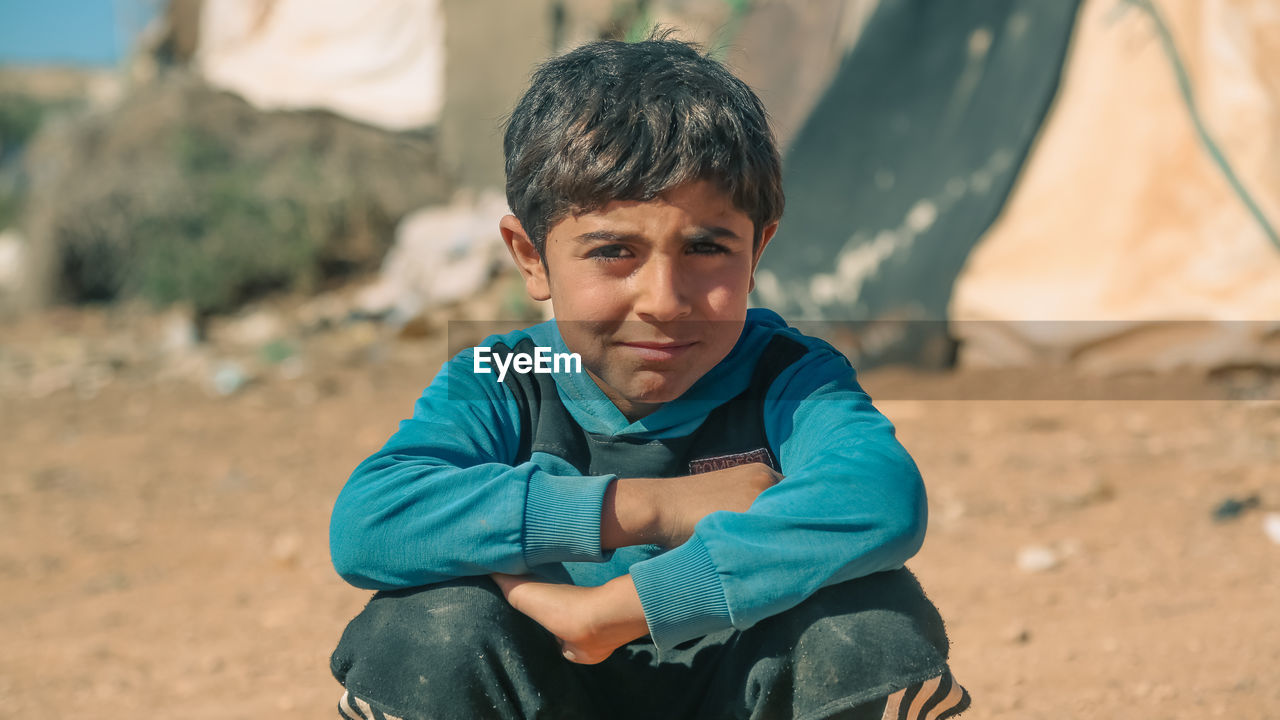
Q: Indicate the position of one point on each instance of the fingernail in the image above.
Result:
(568, 655)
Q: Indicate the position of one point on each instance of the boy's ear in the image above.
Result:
(765, 236)
(526, 256)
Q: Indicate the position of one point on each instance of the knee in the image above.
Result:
(882, 620)
(425, 641)
(826, 649)
(847, 645)
(437, 621)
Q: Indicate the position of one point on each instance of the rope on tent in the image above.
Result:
(1184, 85)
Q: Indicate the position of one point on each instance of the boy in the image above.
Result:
(707, 518)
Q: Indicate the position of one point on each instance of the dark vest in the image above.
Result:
(732, 434)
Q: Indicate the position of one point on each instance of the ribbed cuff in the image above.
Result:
(681, 594)
(562, 518)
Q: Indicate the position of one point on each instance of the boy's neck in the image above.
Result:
(631, 410)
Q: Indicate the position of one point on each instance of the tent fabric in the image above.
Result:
(1124, 246)
(380, 62)
(789, 50)
(907, 159)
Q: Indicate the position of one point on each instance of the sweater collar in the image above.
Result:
(596, 413)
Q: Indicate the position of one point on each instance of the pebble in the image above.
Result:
(178, 332)
(1037, 558)
(1070, 547)
(1271, 526)
(255, 329)
(1017, 634)
(286, 548)
(12, 262)
(1095, 492)
(229, 378)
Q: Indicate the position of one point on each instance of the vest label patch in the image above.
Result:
(721, 462)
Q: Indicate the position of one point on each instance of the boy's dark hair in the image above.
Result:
(628, 121)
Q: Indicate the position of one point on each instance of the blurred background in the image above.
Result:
(235, 236)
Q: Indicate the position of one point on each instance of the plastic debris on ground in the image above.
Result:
(441, 255)
(1232, 508)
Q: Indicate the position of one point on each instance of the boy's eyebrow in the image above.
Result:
(699, 233)
(712, 231)
(605, 236)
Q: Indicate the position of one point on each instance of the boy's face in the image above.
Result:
(651, 294)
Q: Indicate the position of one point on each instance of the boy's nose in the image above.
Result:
(661, 295)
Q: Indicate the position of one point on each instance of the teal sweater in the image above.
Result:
(445, 497)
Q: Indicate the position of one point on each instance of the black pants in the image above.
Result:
(458, 650)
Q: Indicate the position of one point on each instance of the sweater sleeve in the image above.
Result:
(851, 503)
(442, 498)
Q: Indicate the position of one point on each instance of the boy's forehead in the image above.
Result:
(700, 203)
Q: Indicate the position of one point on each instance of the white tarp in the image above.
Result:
(380, 62)
(441, 255)
(1121, 216)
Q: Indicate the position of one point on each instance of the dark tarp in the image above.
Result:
(905, 162)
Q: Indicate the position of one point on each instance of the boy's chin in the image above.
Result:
(653, 390)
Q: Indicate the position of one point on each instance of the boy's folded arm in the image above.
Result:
(664, 511)
(851, 503)
(442, 498)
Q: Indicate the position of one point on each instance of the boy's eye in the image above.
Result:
(707, 248)
(610, 252)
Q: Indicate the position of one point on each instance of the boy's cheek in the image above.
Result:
(586, 300)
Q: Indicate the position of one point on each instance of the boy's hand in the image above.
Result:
(590, 622)
(663, 511)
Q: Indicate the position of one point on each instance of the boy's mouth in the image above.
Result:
(658, 351)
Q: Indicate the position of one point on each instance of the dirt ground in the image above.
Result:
(164, 549)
